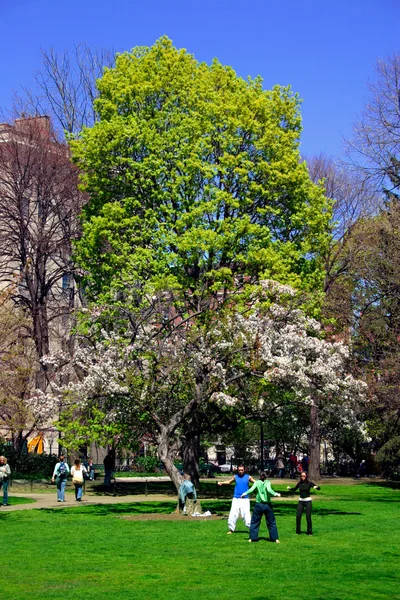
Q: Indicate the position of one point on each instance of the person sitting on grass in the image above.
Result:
(262, 507)
(240, 505)
(305, 503)
(187, 496)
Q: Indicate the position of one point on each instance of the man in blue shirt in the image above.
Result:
(240, 506)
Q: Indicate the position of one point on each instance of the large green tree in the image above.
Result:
(195, 185)
(193, 173)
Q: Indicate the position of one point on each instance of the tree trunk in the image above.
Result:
(166, 456)
(314, 472)
(41, 339)
(191, 456)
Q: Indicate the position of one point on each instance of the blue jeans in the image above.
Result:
(61, 485)
(107, 478)
(5, 491)
(78, 491)
(261, 509)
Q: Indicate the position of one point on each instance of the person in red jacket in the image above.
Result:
(293, 462)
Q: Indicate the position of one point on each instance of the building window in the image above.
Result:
(65, 282)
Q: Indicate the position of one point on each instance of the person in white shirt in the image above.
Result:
(78, 473)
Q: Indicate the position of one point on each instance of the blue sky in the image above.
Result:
(325, 49)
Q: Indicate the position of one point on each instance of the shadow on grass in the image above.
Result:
(101, 510)
(393, 485)
(222, 507)
(166, 488)
(136, 488)
(219, 507)
(285, 509)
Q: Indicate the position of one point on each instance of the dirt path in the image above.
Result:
(50, 501)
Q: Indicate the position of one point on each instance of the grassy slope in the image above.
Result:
(89, 552)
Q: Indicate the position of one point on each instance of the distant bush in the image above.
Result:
(29, 465)
(388, 457)
(147, 464)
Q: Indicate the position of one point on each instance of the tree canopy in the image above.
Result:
(194, 178)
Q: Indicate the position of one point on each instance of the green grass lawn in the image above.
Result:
(12, 500)
(93, 552)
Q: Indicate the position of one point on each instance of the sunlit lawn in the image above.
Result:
(93, 552)
(14, 500)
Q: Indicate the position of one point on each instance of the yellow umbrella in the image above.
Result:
(36, 444)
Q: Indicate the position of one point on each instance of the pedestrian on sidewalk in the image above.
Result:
(78, 472)
(304, 463)
(293, 462)
(5, 473)
(60, 474)
(109, 466)
(280, 465)
(90, 469)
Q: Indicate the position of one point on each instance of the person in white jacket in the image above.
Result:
(5, 473)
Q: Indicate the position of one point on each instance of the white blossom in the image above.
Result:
(285, 345)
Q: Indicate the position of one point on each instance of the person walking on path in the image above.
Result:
(280, 466)
(5, 473)
(108, 469)
(90, 469)
(293, 462)
(304, 463)
(305, 502)
(240, 505)
(60, 474)
(78, 472)
(262, 507)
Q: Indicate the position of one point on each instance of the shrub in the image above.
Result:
(29, 465)
(147, 464)
(388, 457)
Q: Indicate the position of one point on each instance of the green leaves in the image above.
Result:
(193, 175)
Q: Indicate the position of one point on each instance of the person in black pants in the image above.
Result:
(305, 502)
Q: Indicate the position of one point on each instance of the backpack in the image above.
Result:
(62, 470)
(77, 476)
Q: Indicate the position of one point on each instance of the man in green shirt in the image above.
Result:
(263, 507)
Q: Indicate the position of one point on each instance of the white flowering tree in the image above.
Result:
(155, 380)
